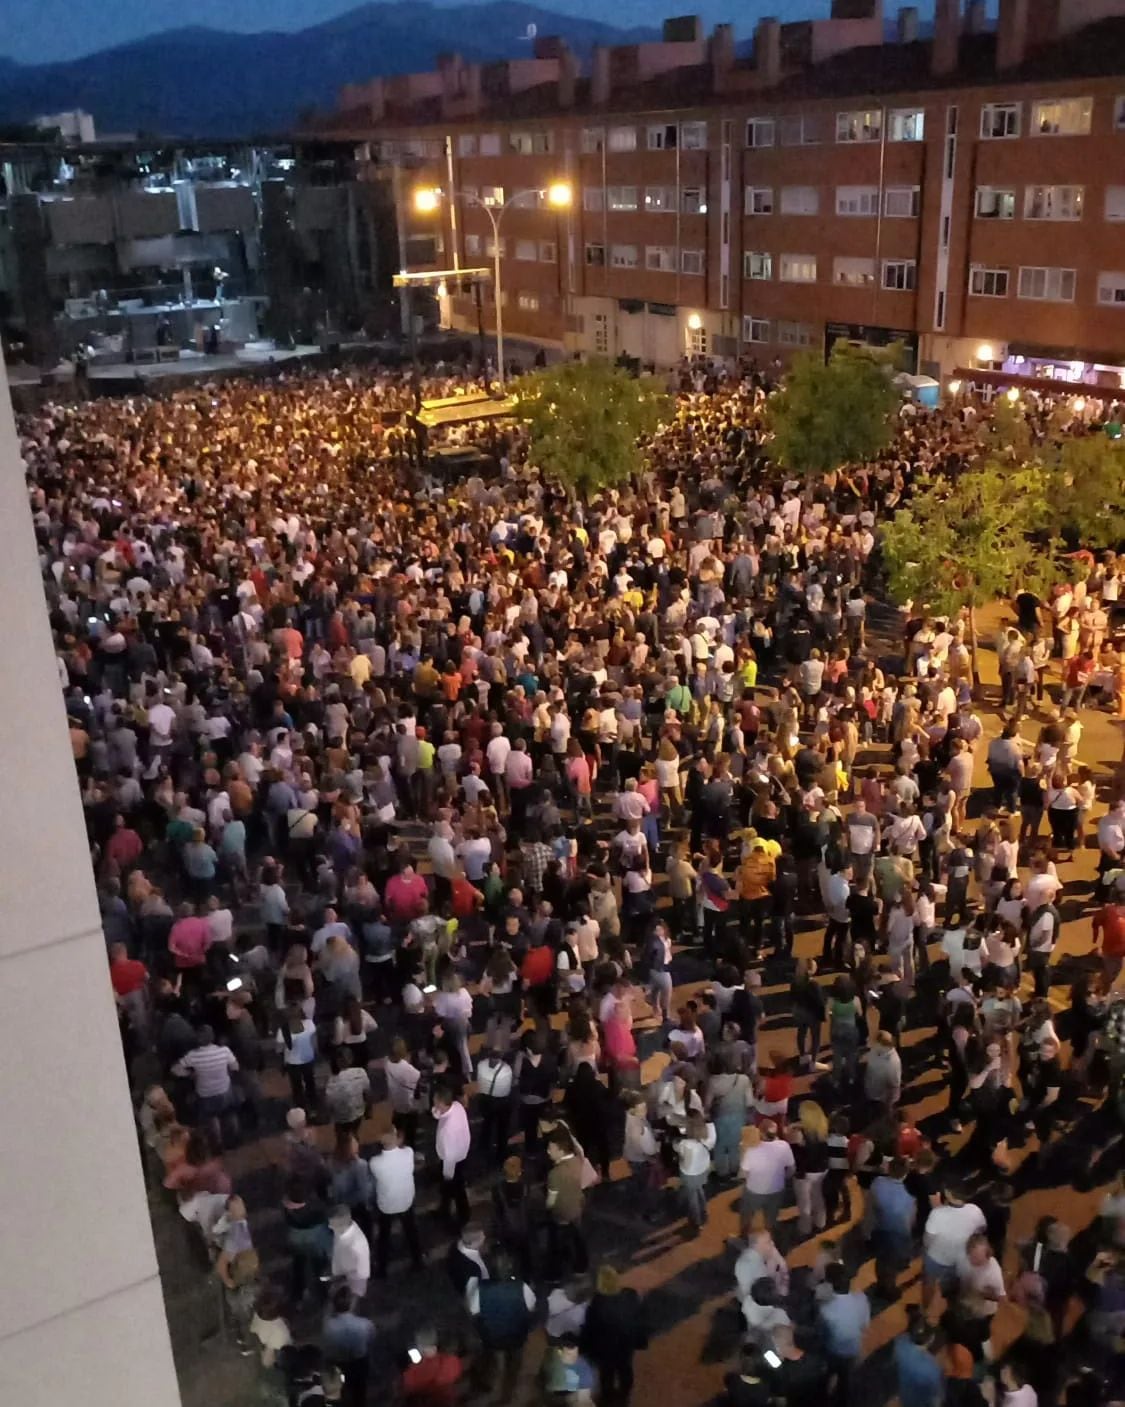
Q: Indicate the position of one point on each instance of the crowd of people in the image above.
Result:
(503, 825)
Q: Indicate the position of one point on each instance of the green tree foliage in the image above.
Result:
(587, 422)
(961, 543)
(1086, 490)
(833, 413)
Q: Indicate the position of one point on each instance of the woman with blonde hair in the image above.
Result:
(613, 1330)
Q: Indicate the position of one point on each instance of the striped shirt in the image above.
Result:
(210, 1067)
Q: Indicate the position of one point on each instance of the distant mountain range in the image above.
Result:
(196, 82)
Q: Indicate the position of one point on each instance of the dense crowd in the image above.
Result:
(438, 797)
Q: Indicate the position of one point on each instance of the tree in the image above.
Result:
(835, 412)
(961, 543)
(1086, 490)
(587, 421)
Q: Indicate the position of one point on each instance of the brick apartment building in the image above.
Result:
(963, 192)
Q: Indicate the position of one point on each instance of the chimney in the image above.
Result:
(599, 74)
(854, 9)
(976, 17)
(1011, 37)
(682, 29)
(721, 53)
(568, 74)
(908, 24)
(375, 94)
(947, 36)
(767, 51)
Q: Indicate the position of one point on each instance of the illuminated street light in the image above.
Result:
(695, 322)
(426, 200)
(1013, 394)
(560, 195)
(954, 387)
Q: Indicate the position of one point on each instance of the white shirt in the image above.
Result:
(694, 1154)
(351, 1257)
(452, 1139)
(948, 1230)
(161, 720)
(494, 1079)
(393, 1172)
(497, 752)
(766, 1167)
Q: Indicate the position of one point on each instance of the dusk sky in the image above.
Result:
(42, 31)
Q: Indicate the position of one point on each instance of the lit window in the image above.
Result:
(758, 200)
(863, 126)
(490, 144)
(853, 272)
(693, 136)
(623, 256)
(660, 199)
(1053, 202)
(755, 329)
(660, 258)
(1111, 290)
(905, 125)
(693, 200)
(527, 302)
(855, 200)
(492, 195)
(794, 334)
(798, 268)
(756, 265)
(621, 198)
(1115, 203)
(1062, 117)
(622, 139)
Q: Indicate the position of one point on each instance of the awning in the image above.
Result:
(461, 410)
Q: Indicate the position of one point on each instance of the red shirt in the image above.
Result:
(1109, 922)
(433, 1381)
(127, 975)
(464, 897)
(538, 966)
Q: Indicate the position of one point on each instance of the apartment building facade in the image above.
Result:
(963, 193)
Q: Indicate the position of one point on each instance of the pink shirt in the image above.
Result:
(404, 897)
(578, 770)
(518, 769)
(189, 940)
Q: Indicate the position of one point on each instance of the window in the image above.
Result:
(697, 341)
(902, 202)
(1053, 202)
(856, 200)
(760, 132)
(660, 198)
(492, 195)
(758, 200)
(595, 256)
(491, 247)
(490, 144)
(601, 334)
(663, 137)
(905, 125)
(693, 200)
(757, 265)
(621, 198)
(854, 273)
(691, 261)
(526, 250)
(622, 139)
(1111, 290)
(593, 198)
(1047, 285)
(800, 200)
(1119, 114)
(800, 130)
(661, 258)
(988, 283)
(472, 244)
(467, 144)
(999, 120)
(995, 203)
(592, 140)
(527, 302)
(1115, 202)
(548, 254)
(755, 329)
(863, 126)
(899, 275)
(1061, 117)
(470, 194)
(794, 334)
(623, 256)
(529, 143)
(798, 268)
(693, 136)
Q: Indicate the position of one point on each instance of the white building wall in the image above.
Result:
(81, 1314)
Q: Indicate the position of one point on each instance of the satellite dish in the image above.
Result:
(532, 31)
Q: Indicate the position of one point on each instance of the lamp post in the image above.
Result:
(558, 196)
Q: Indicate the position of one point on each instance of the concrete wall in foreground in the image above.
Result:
(81, 1314)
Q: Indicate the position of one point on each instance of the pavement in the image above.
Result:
(687, 1282)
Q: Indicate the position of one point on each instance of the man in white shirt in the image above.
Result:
(161, 724)
(452, 1145)
(767, 1168)
(494, 1085)
(392, 1172)
(351, 1255)
(947, 1233)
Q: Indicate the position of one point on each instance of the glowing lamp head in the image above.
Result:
(984, 352)
(441, 289)
(954, 387)
(1080, 405)
(1013, 394)
(559, 195)
(426, 200)
(695, 322)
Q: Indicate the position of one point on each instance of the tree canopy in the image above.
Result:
(1086, 489)
(832, 413)
(587, 421)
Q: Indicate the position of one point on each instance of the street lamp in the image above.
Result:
(557, 194)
